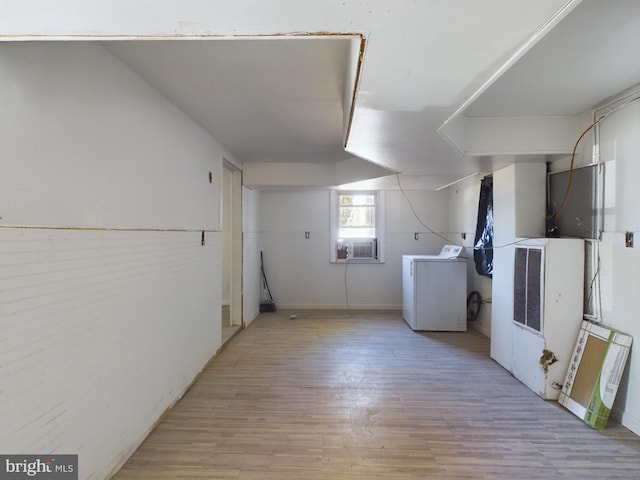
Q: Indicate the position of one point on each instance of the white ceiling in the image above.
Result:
(592, 54)
(273, 99)
(273, 81)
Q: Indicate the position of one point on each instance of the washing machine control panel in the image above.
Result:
(451, 251)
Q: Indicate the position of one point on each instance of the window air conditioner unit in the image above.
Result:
(366, 249)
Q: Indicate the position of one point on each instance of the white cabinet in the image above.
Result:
(519, 211)
(547, 311)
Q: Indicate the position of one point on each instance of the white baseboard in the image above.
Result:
(251, 317)
(297, 306)
(480, 328)
(627, 420)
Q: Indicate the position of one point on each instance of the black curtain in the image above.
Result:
(483, 244)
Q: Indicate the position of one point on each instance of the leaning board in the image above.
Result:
(594, 374)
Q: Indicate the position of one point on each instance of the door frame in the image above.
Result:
(234, 202)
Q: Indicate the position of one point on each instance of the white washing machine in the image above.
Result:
(434, 290)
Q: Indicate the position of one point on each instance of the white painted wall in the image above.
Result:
(619, 148)
(519, 212)
(84, 127)
(463, 212)
(251, 245)
(298, 269)
(102, 329)
(620, 266)
(227, 235)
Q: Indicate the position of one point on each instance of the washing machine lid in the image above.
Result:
(448, 252)
(451, 251)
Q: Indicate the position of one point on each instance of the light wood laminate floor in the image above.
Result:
(331, 395)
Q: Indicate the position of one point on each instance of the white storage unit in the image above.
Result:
(434, 290)
(547, 311)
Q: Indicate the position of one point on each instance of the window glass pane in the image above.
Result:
(357, 216)
(357, 200)
(363, 199)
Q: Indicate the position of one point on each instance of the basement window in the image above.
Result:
(357, 226)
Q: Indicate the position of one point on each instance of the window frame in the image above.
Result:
(379, 205)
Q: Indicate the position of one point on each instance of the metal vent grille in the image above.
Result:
(363, 249)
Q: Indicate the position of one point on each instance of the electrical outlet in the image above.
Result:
(628, 239)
